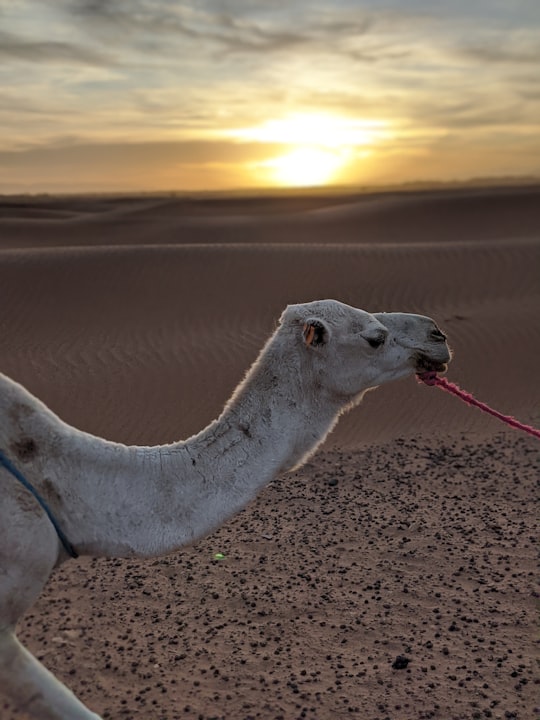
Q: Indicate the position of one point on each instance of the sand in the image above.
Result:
(410, 536)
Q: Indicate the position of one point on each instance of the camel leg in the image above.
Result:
(29, 550)
(33, 689)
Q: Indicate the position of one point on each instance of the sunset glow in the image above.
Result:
(305, 167)
(315, 147)
(311, 129)
(158, 95)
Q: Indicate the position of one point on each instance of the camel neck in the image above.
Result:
(164, 497)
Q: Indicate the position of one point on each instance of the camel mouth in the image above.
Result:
(427, 364)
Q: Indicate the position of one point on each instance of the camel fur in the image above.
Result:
(113, 500)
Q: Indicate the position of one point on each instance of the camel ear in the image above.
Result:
(315, 332)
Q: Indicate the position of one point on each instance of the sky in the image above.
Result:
(156, 95)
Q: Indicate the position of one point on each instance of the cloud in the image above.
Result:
(491, 53)
(112, 74)
(65, 166)
(169, 21)
(241, 29)
(13, 46)
(509, 47)
(131, 155)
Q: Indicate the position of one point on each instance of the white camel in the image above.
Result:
(113, 500)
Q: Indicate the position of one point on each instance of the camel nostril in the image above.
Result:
(437, 335)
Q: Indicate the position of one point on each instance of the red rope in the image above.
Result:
(431, 378)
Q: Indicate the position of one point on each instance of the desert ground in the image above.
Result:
(394, 576)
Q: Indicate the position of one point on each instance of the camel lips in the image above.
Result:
(428, 377)
(425, 366)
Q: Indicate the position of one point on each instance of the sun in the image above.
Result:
(315, 148)
(305, 167)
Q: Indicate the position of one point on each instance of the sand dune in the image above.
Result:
(82, 325)
(471, 215)
(135, 318)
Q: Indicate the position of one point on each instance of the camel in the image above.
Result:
(319, 362)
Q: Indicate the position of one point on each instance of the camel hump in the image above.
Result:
(25, 422)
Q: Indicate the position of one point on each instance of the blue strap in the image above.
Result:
(13, 470)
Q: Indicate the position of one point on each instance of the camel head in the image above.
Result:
(347, 351)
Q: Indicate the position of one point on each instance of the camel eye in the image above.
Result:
(376, 341)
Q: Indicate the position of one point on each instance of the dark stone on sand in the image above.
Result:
(401, 662)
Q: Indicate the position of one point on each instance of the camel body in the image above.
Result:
(113, 500)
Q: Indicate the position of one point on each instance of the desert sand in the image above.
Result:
(393, 576)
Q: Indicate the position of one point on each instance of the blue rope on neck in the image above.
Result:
(20, 477)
